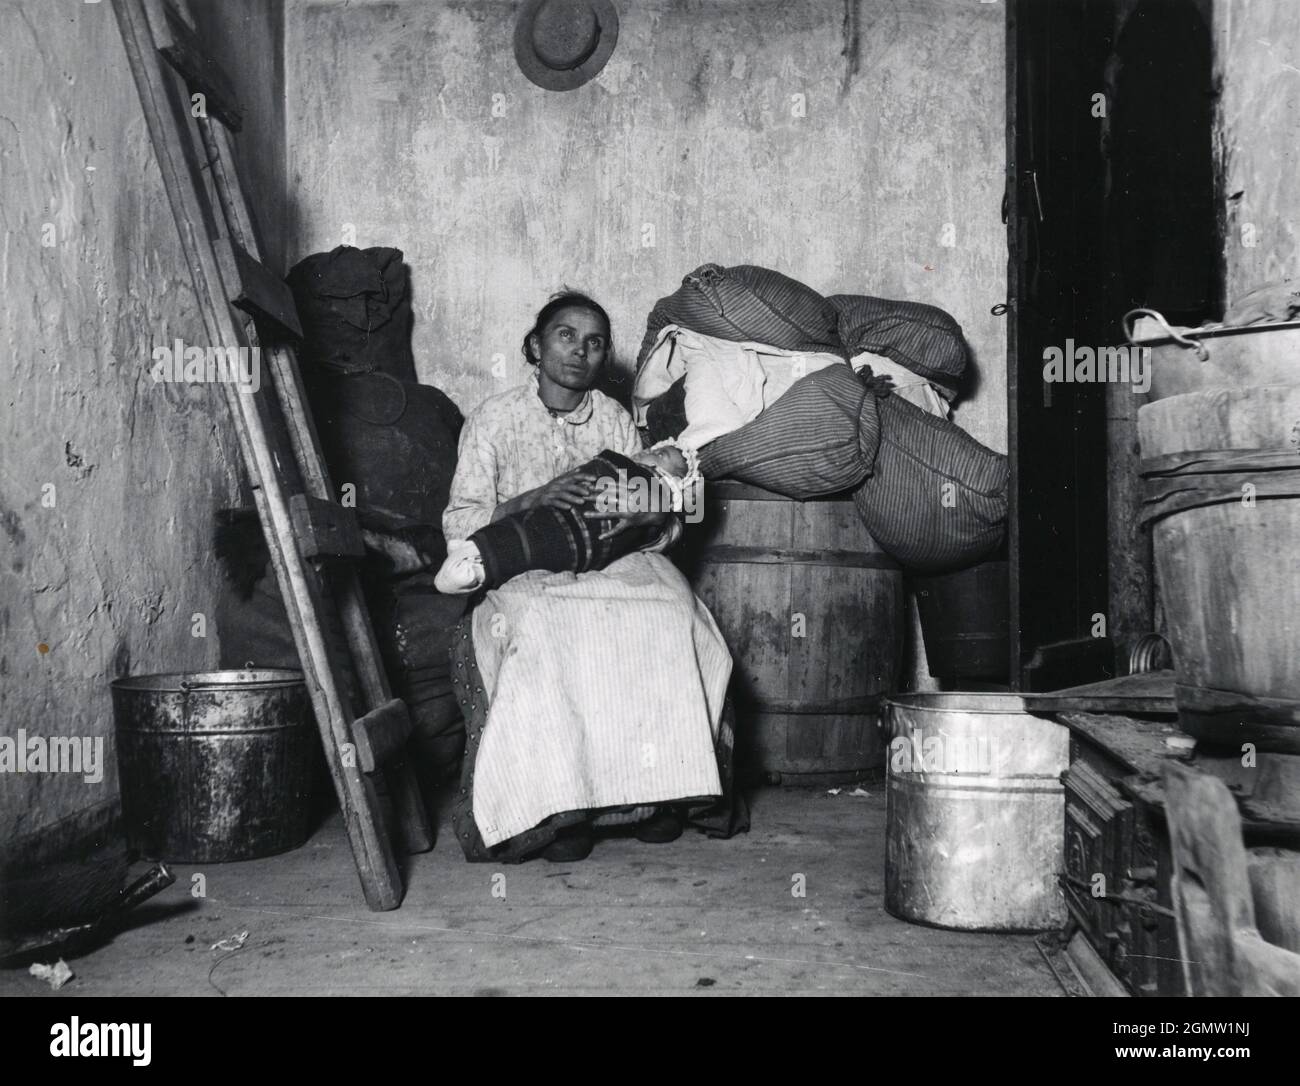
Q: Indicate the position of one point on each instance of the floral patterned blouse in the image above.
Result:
(512, 443)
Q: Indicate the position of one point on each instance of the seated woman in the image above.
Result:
(584, 537)
(592, 697)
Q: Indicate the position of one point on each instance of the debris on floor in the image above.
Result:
(56, 975)
(235, 942)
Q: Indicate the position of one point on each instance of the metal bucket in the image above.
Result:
(975, 824)
(215, 766)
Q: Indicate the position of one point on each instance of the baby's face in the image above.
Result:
(667, 459)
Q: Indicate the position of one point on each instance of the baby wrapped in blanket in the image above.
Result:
(586, 537)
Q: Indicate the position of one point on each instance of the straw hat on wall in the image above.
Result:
(561, 44)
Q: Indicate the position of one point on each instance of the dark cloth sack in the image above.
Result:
(412, 624)
(355, 309)
(747, 303)
(819, 438)
(394, 441)
(937, 499)
(665, 416)
(392, 438)
(922, 338)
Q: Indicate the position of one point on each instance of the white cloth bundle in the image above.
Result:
(727, 383)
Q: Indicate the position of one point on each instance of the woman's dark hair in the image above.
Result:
(565, 299)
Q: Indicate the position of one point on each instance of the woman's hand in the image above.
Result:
(625, 521)
(565, 492)
(624, 512)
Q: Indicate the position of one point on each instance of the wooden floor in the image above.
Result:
(693, 917)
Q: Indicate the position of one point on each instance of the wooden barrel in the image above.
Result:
(812, 611)
(1222, 480)
(966, 620)
(1252, 356)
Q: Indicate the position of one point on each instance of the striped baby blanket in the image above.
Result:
(606, 690)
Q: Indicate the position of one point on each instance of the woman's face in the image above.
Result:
(572, 348)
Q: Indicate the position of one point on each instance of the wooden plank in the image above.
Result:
(1264, 969)
(181, 48)
(381, 733)
(283, 363)
(300, 585)
(1131, 611)
(870, 703)
(1092, 971)
(1139, 745)
(1063, 663)
(786, 556)
(1145, 692)
(1222, 951)
(732, 490)
(264, 294)
(1275, 889)
(1152, 794)
(1210, 882)
(1274, 795)
(1015, 218)
(255, 290)
(325, 529)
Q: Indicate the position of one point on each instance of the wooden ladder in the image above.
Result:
(192, 112)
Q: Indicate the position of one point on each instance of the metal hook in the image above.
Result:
(1183, 341)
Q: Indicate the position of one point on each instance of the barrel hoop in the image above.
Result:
(205, 733)
(1217, 461)
(808, 707)
(730, 490)
(728, 554)
(971, 637)
(971, 782)
(1166, 495)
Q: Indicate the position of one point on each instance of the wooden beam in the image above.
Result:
(1132, 601)
(254, 288)
(324, 528)
(381, 734)
(181, 48)
(1222, 951)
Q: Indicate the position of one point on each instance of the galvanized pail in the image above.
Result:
(216, 765)
(975, 822)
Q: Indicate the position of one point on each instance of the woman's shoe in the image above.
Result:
(663, 826)
(570, 845)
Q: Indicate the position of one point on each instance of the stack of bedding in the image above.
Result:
(809, 396)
